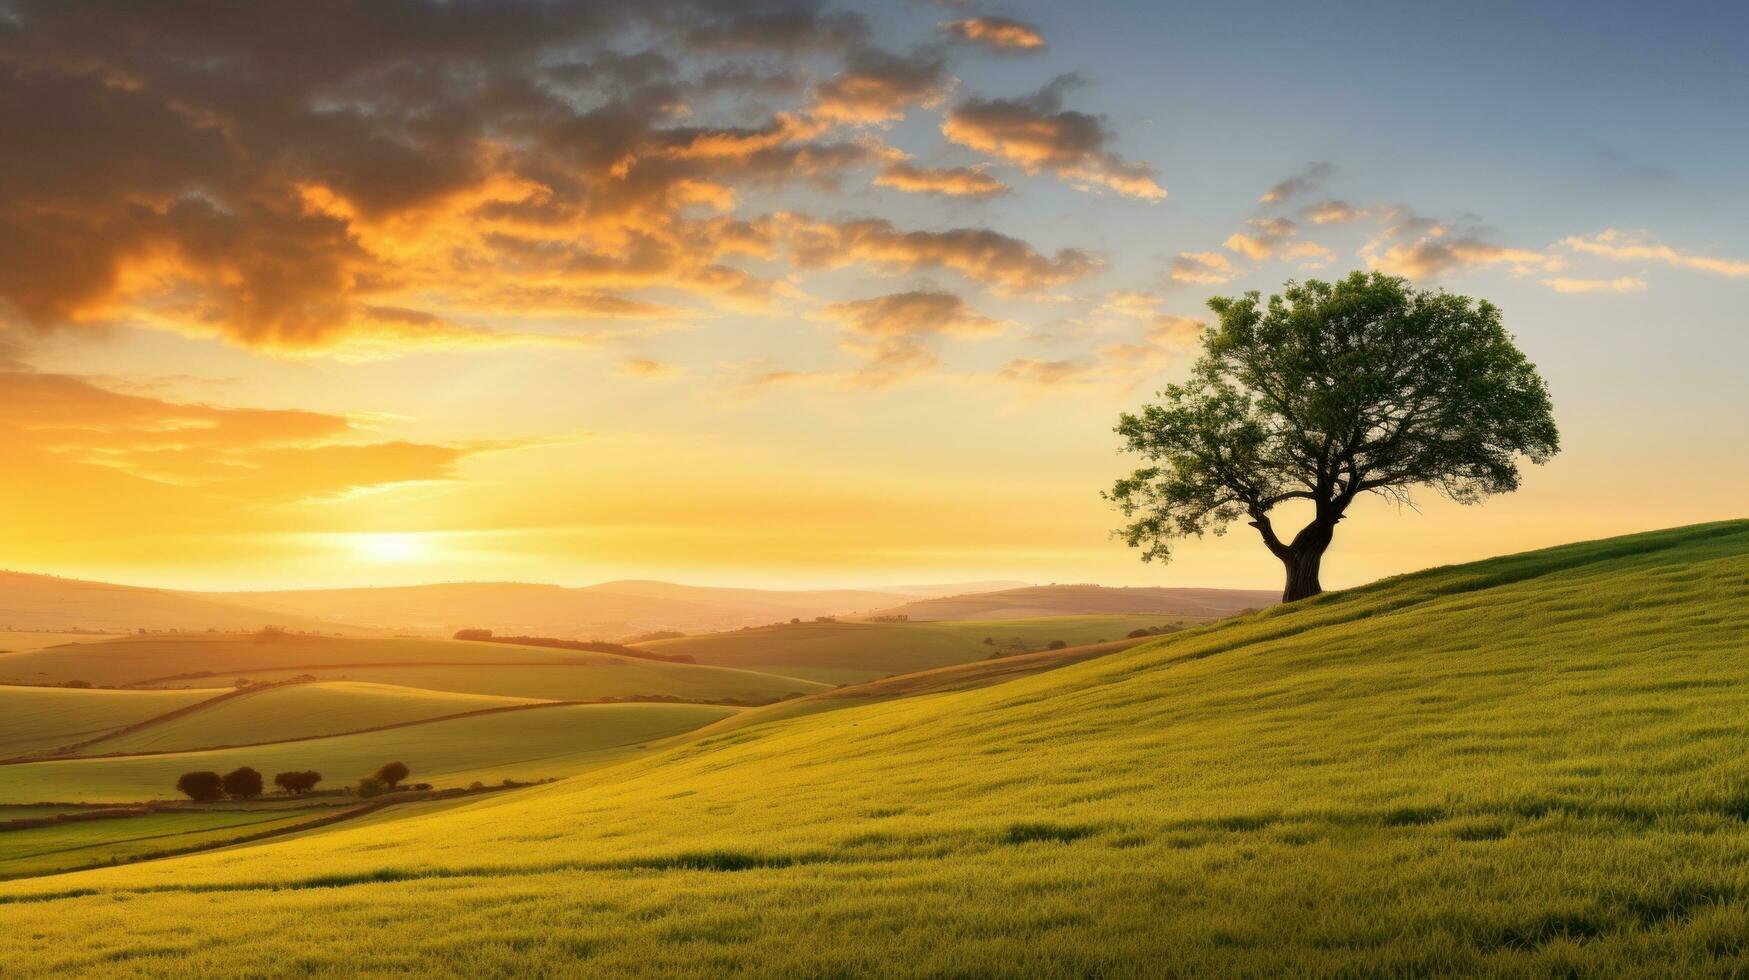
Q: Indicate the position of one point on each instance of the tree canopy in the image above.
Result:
(202, 787)
(243, 783)
(1323, 393)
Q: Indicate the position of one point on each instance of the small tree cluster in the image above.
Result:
(298, 783)
(244, 783)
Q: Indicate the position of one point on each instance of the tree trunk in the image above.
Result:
(1305, 554)
(1302, 571)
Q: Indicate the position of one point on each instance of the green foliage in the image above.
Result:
(370, 786)
(298, 782)
(242, 783)
(1326, 392)
(392, 773)
(202, 786)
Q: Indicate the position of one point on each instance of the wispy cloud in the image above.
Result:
(997, 33)
(1625, 284)
(947, 181)
(1303, 182)
(1622, 245)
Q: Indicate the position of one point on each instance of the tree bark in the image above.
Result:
(1305, 554)
(1302, 564)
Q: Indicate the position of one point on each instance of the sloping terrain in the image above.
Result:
(294, 711)
(36, 719)
(524, 744)
(202, 660)
(1080, 600)
(608, 611)
(1531, 765)
(851, 652)
(45, 602)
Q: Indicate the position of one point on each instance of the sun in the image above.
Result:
(390, 547)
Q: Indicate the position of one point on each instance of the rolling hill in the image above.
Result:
(1526, 766)
(45, 602)
(1080, 600)
(297, 711)
(851, 652)
(611, 610)
(35, 719)
(608, 611)
(528, 744)
(221, 659)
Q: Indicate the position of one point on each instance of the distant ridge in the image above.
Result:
(47, 602)
(616, 610)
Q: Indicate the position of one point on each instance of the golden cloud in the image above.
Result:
(878, 87)
(892, 332)
(951, 181)
(1208, 268)
(528, 160)
(1037, 134)
(1332, 211)
(983, 256)
(1624, 284)
(997, 33)
(1266, 235)
(183, 466)
(1621, 245)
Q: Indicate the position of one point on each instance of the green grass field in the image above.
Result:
(296, 711)
(521, 745)
(610, 677)
(1532, 765)
(84, 843)
(136, 660)
(37, 719)
(847, 653)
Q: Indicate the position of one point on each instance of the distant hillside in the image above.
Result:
(1524, 767)
(1081, 600)
(611, 610)
(44, 602)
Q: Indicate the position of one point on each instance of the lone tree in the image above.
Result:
(202, 787)
(243, 783)
(1323, 393)
(392, 774)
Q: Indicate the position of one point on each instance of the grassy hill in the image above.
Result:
(528, 744)
(501, 669)
(297, 711)
(851, 652)
(1080, 600)
(1528, 765)
(35, 719)
(606, 611)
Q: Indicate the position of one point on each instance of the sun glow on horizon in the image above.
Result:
(390, 547)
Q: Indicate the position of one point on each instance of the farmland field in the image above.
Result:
(297, 711)
(22, 641)
(606, 677)
(524, 745)
(838, 653)
(83, 843)
(1530, 765)
(35, 719)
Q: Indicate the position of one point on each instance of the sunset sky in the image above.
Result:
(784, 294)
